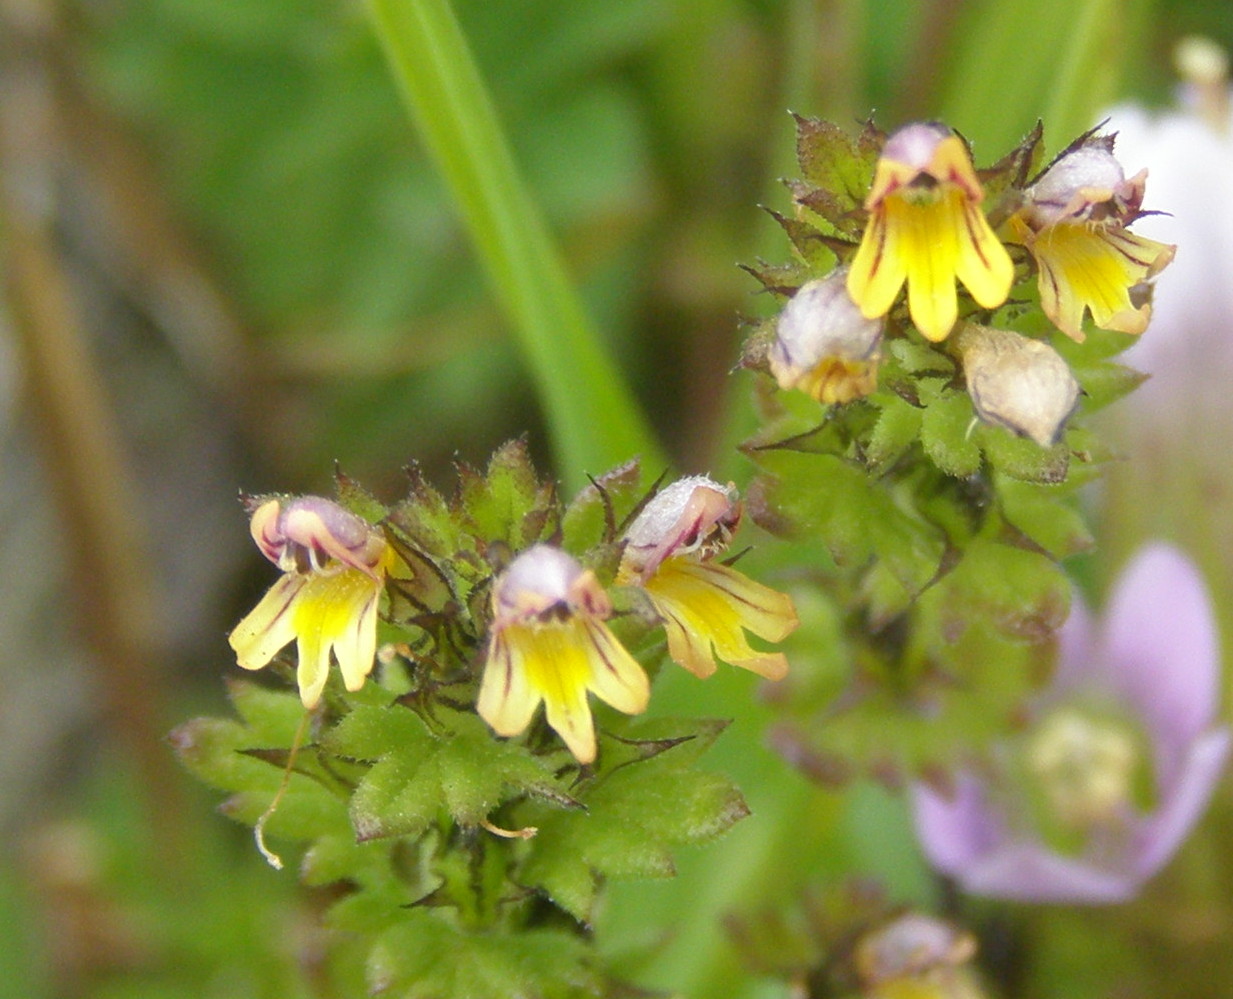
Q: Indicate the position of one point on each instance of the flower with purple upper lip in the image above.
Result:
(334, 566)
(1117, 765)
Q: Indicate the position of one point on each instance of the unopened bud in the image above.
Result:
(916, 955)
(824, 346)
(1018, 383)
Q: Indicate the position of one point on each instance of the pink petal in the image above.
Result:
(1184, 802)
(1027, 872)
(1160, 638)
(955, 832)
(1076, 662)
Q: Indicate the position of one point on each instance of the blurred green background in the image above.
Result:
(262, 272)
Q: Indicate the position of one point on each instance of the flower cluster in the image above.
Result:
(548, 638)
(929, 220)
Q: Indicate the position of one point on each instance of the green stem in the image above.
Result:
(593, 417)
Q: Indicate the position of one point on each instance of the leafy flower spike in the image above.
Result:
(706, 607)
(334, 565)
(926, 227)
(1074, 224)
(549, 643)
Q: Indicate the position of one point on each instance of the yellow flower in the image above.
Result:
(914, 956)
(1074, 225)
(706, 607)
(334, 567)
(549, 643)
(926, 227)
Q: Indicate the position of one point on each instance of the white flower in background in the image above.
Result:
(1189, 156)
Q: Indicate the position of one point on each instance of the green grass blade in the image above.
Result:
(1058, 60)
(593, 417)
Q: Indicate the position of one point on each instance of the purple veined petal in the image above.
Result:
(956, 831)
(1160, 634)
(313, 663)
(507, 701)
(268, 626)
(1025, 871)
(355, 647)
(1164, 830)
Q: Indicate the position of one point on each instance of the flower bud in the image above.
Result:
(824, 346)
(1021, 384)
(915, 955)
(692, 515)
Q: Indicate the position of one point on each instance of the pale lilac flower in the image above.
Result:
(1189, 155)
(1059, 816)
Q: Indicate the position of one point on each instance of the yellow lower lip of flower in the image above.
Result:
(707, 607)
(929, 238)
(557, 663)
(1089, 266)
(323, 612)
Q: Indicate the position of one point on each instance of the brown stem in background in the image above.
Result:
(90, 481)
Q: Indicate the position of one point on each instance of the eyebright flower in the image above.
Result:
(926, 227)
(334, 565)
(1118, 764)
(914, 956)
(1018, 383)
(706, 607)
(548, 642)
(1074, 224)
(823, 345)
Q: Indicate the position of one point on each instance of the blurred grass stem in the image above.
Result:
(593, 416)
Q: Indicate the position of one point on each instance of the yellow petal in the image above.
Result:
(558, 667)
(878, 271)
(984, 266)
(929, 245)
(355, 646)
(1092, 267)
(335, 611)
(557, 663)
(312, 665)
(268, 626)
(929, 237)
(707, 608)
(506, 699)
(616, 677)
